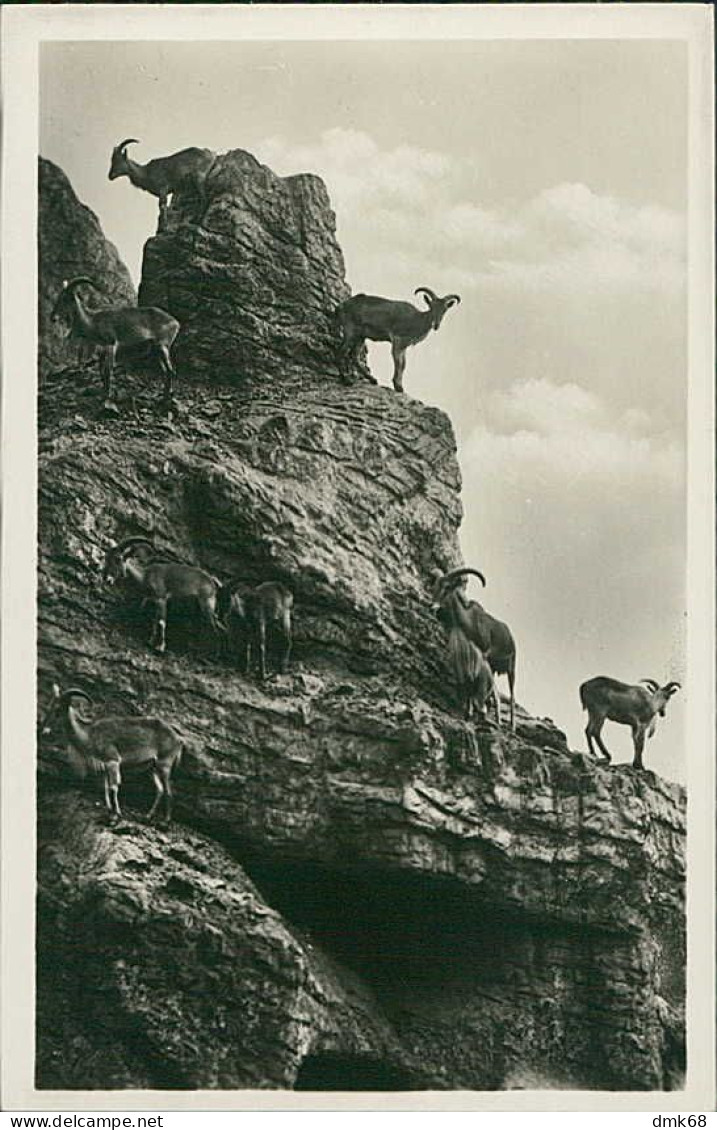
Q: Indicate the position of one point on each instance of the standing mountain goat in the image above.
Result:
(108, 744)
(492, 637)
(382, 319)
(269, 605)
(164, 175)
(470, 670)
(157, 581)
(118, 327)
(633, 706)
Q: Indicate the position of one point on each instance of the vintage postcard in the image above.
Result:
(358, 557)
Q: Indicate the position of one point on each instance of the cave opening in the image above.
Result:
(411, 936)
(335, 1072)
(527, 991)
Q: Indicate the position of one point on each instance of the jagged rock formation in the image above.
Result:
(70, 243)
(255, 285)
(360, 890)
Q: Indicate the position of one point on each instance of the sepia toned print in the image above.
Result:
(363, 682)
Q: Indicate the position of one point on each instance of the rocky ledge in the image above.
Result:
(360, 890)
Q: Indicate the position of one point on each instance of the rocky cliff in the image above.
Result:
(70, 243)
(360, 890)
(256, 283)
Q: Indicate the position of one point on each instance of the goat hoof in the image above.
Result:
(110, 406)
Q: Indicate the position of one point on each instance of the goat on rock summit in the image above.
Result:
(365, 316)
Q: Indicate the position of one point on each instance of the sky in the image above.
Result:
(543, 181)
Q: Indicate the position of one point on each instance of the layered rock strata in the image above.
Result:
(360, 890)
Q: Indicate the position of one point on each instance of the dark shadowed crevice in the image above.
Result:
(433, 953)
(333, 1072)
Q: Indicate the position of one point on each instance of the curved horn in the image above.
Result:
(75, 692)
(70, 284)
(127, 141)
(452, 298)
(672, 687)
(652, 685)
(456, 574)
(430, 296)
(136, 539)
(130, 543)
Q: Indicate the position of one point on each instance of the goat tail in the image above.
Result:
(583, 702)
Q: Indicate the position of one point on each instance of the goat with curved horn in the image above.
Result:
(492, 637)
(109, 743)
(160, 582)
(368, 317)
(118, 327)
(162, 176)
(607, 699)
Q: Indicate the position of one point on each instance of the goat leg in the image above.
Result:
(593, 730)
(511, 688)
(168, 373)
(287, 651)
(496, 701)
(158, 794)
(398, 353)
(165, 772)
(638, 736)
(262, 648)
(108, 803)
(159, 635)
(108, 377)
(350, 353)
(114, 780)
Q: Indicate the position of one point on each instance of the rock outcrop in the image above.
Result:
(361, 890)
(256, 284)
(70, 243)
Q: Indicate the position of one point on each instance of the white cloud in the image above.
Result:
(567, 238)
(543, 406)
(563, 372)
(537, 428)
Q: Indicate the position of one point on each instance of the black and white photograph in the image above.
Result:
(359, 546)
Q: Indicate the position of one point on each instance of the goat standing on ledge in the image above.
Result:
(492, 638)
(633, 706)
(157, 581)
(268, 605)
(470, 669)
(164, 175)
(118, 327)
(382, 319)
(107, 744)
